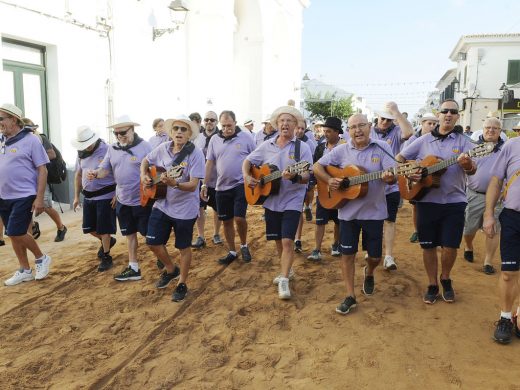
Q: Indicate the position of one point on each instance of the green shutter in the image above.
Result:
(513, 72)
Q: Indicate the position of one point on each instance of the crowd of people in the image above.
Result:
(194, 162)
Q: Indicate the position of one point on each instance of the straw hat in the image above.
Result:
(168, 124)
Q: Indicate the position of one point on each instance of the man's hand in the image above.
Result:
(146, 180)
(76, 204)
(251, 181)
(37, 206)
(465, 162)
(167, 180)
(204, 193)
(113, 202)
(288, 175)
(334, 183)
(489, 225)
(392, 108)
(388, 177)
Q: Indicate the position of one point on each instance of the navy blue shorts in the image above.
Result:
(133, 219)
(323, 215)
(99, 217)
(372, 236)
(212, 200)
(231, 203)
(510, 240)
(16, 215)
(281, 224)
(160, 226)
(440, 224)
(392, 204)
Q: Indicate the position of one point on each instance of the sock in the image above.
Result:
(27, 271)
(134, 265)
(233, 253)
(507, 315)
(243, 246)
(39, 259)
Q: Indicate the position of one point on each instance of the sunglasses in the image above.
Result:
(210, 120)
(452, 111)
(181, 128)
(121, 133)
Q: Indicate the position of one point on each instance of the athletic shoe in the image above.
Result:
(60, 234)
(43, 267)
(315, 255)
(389, 263)
(128, 274)
(414, 237)
(106, 263)
(515, 323)
(19, 277)
(468, 256)
(291, 276)
(180, 292)
(199, 243)
(308, 214)
(246, 255)
(448, 294)
(217, 240)
(298, 246)
(431, 295)
(159, 264)
(345, 306)
(166, 278)
(36, 230)
(228, 259)
(503, 331)
(334, 250)
(488, 269)
(2, 242)
(368, 283)
(283, 288)
(100, 251)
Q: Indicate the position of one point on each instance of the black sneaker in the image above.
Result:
(368, 283)
(468, 256)
(431, 295)
(488, 269)
(60, 234)
(246, 255)
(128, 274)
(36, 230)
(308, 214)
(159, 264)
(515, 323)
(180, 292)
(2, 242)
(106, 263)
(298, 246)
(346, 305)
(166, 278)
(100, 251)
(228, 259)
(199, 243)
(503, 331)
(448, 294)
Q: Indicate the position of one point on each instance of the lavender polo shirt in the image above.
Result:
(311, 142)
(371, 158)
(200, 142)
(156, 140)
(260, 137)
(229, 155)
(18, 167)
(126, 169)
(410, 140)
(506, 165)
(453, 182)
(179, 204)
(290, 196)
(480, 180)
(394, 139)
(90, 163)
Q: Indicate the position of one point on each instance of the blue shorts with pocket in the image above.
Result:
(510, 240)
(372, 236)
(440, 224)
(160, 226)
(231, 203)
(392, 204)
(133, 219)
(16, 215)
(281, 224)
(99, 217)
(323, 215)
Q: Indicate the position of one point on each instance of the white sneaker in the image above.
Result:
(291, 276)
(42, 268)
(283, 288)
(389, 263)
(19, 277)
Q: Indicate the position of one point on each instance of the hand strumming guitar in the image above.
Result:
(251, 181)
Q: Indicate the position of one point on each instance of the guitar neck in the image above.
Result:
(365, 178)
(272, 176)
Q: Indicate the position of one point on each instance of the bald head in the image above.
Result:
(491, 130)
(357, 118)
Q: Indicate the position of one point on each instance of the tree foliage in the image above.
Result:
(321, 107)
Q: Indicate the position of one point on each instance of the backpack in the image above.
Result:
(57, 168)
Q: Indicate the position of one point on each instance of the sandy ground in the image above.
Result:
(81, 329)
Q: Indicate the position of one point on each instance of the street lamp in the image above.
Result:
(178, 12)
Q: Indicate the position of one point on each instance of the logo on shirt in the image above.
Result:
(100, 160)
(389, 141)
(183, 164)
(291, 156)
(237, 146)
(133, 158)
(13, 150)
(455, 150)
(375, 159)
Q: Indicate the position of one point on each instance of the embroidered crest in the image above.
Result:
(184, 164)
(133, 158)
(13, 150)
(455, 150)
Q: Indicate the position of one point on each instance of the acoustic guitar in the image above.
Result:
(269, 176)
(354, 184)
(431, 169)
(157, 190)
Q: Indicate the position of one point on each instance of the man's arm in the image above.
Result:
(492, 195)
(77, 188)
(42, 183)
(406, 127)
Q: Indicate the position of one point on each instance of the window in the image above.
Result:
(513, 72)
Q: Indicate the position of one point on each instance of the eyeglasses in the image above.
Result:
(452, 111)
(121, 133)
(385, 119)
(360, 126)
(210, 120)
(181, 128)
(3, 117)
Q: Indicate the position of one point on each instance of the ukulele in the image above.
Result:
(269, 177)
(354, 184)
(157, 190)
(432, 168)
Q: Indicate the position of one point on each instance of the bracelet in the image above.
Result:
(296, 179)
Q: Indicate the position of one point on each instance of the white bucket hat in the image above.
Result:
(429, 117)
(168, 124)
(384, 114)
(84, 138)
(11, 109)
(123, 121)
(286, 110)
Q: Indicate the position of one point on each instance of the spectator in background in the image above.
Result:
(160, 135)
(467, 131)
(195, 117)
(249, 125)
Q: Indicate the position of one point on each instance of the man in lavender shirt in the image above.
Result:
(202, 142)
(476, 193)
(440, 213)
(99, 215)
(160, 134)
(267, 132)
(227, 151)
(180, 208)
(123, 160)
(23, 177)
(505, 183)
(282, 210)
(364, 214)
(394, 135)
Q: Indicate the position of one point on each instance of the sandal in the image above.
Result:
(36, 230)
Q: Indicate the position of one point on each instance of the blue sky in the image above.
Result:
(402, 45)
